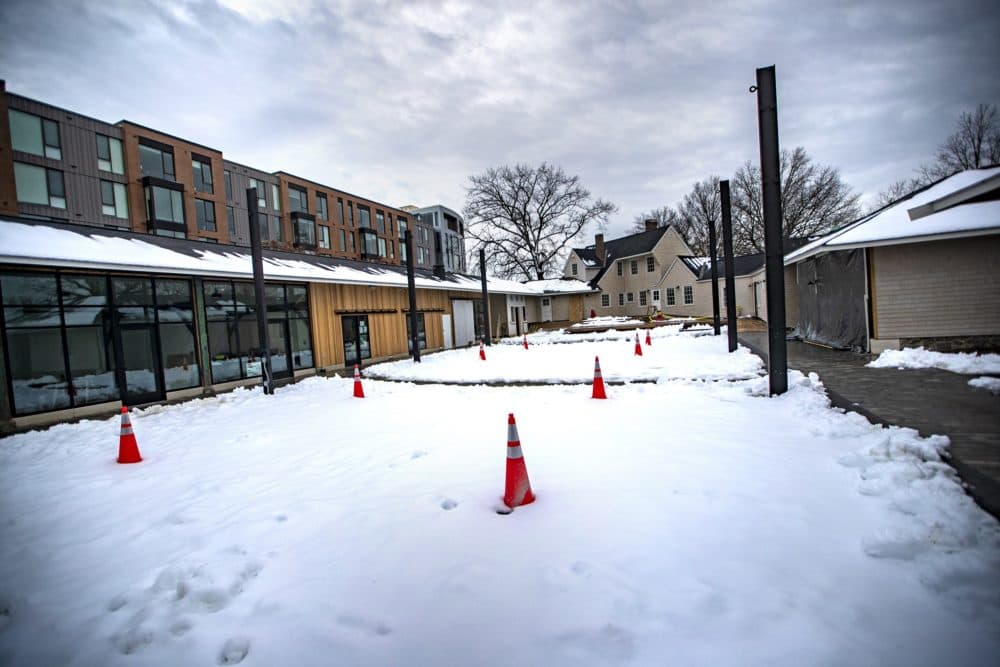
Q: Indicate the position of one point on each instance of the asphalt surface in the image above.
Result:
(932, 401)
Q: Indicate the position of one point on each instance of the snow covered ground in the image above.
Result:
(990, 384)
(969, 363)
(672, 355)
(681, 522)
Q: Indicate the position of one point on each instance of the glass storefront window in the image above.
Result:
(65, 340)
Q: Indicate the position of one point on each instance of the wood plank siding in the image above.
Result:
(943, 288)
(385, 308)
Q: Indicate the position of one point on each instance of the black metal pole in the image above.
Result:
(411, 284)
(486, 297)
(770, 177)
(258, 291)
(727, 250)
(716, 325)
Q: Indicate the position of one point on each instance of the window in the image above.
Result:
(392, 250)
(340, 211)
(298, 200)
(380, 222)
(275, 227)
(688, 295)
(343, 240)
(304, 230)
(573, 268)
(425, 235)
(605, 300)
(233, 343)
(35, 135)
(231, 220)
(202, 169)
(381, 247)
(113, 199)
(352, 239)
(400, 226)
(356, 342)
(642, 298)
(671, 297)
(364, 217)
(630, 297)
(621, 299)
(38, 185)
(156, 160)
(61, 338)
(350, 214)
(205, 212)
(650, 264)
(261, 193)
(228, 178)
(656, 296)
(165, 211)
(324, 237)
(109, 154)
(620, 267)
(634, 266)
(421, 332)
(275, 197)
(321, 212)
(369, 243)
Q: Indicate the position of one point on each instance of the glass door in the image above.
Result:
(141, 370)
(356, 340)
(277, 337)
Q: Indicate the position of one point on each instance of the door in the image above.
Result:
(446, 331)
(140, 374)
(356, 339)
(546, 309)
(465, 322)
(277, 337)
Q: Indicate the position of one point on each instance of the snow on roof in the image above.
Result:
(561, 285)
(893, 225)
(43, 244)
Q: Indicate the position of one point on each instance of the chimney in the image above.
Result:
(599, 248)
(650, 223)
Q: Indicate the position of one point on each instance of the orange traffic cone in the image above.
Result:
(482, 351)
(638, 348)
(359, 391)
(526, 341)
(128, 448)
(598, 380)
(517, 489)
(649, 341)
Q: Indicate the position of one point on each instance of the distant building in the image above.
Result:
(448, 230)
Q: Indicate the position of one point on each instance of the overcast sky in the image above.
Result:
(402, 101)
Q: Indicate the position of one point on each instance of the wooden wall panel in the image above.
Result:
(387, 330)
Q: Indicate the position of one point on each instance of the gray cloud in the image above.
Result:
(402, 101)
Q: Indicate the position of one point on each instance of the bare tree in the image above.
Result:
(896, 191)
(691, 216)
(664, 216)
(813, 200)
(526, 217)
(975, 144)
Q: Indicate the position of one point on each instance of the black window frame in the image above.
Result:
(201, 170)
(322, 207)
(300, 202)
(165, 151)
(204, 213)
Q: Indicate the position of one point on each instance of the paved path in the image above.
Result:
(930, 400)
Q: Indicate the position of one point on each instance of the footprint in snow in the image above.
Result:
(448, 504)
(358, 623)
(234, 651)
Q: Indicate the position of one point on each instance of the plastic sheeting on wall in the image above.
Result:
(832, 299)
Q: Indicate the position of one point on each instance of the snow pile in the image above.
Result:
(990, 384)
(607, 321)
(681, 522)
(568, 336)
(956, 362)
(670, 357)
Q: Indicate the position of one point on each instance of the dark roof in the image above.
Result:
(626, 246)
(746, 264)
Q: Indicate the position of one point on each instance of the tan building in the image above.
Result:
(923, 270)
(627, 272)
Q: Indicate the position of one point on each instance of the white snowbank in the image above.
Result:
(990, 384)
(676, 523)
(956, 362)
